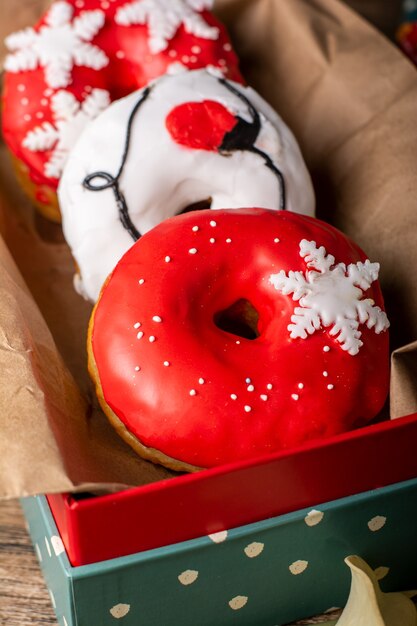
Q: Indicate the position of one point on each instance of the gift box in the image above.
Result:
(269, 572)
(350, 98)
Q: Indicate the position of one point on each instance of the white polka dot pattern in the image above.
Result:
(313, 517)
(218, 537)
(119, 610)
(188, 577)
(298, 567)
(238, 602)
(254, 549)
(57, 545)
(376, 523)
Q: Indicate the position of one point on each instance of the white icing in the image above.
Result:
(164, 17)
(161, 178)
(58, 45)
(330, 295)
(176, 68)
(70, 118)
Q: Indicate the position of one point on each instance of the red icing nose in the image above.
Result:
(200, 125)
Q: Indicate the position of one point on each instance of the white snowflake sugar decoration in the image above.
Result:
(164, 17)
(330, 294)
(58, 45)
(70, 118)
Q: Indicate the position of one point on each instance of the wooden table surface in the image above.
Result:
(24, 599)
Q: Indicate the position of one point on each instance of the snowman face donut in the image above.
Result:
(225, 335)
(83, 54)
(184, 139)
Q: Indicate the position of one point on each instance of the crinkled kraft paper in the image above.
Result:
(350, 97)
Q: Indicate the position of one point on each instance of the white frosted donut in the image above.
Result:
(187, 138)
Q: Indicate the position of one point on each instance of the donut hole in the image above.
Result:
(240, 319)
(201, 205)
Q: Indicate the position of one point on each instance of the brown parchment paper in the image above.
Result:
(350, 98)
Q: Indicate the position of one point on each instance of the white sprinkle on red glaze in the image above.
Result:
(167, 259)
(137, 368)
(228, 240)
(140, 334)
(248, 380)
(213, 223)
(141, 281)
(326, 349)
(263, 397)
(269, 386)
(157, 318)
(325, 374)
(295, 396)
(195, 228)
(330, 386)
(152, 338)
(247, 408)
(233, 396)
(193, 251)
(201, 381)
(167, 363)
(212, 240)
(193, 392)
(300, 385)
(250, 388)
(276, 240)
(137, 325)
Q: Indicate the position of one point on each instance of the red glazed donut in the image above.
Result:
(220, 337)
(83, 54)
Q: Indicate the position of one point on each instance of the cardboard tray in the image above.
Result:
(267, 573)
(190, 506)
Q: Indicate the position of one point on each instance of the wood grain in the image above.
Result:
(24, 599)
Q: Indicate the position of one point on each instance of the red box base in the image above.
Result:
(193, 505)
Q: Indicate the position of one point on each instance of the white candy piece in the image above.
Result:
(160, 177)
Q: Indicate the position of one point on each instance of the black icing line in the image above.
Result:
(244, 135)
(112, 182)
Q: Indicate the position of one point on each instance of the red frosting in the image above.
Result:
(200, 393)
(27, 96)
(200, 125)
